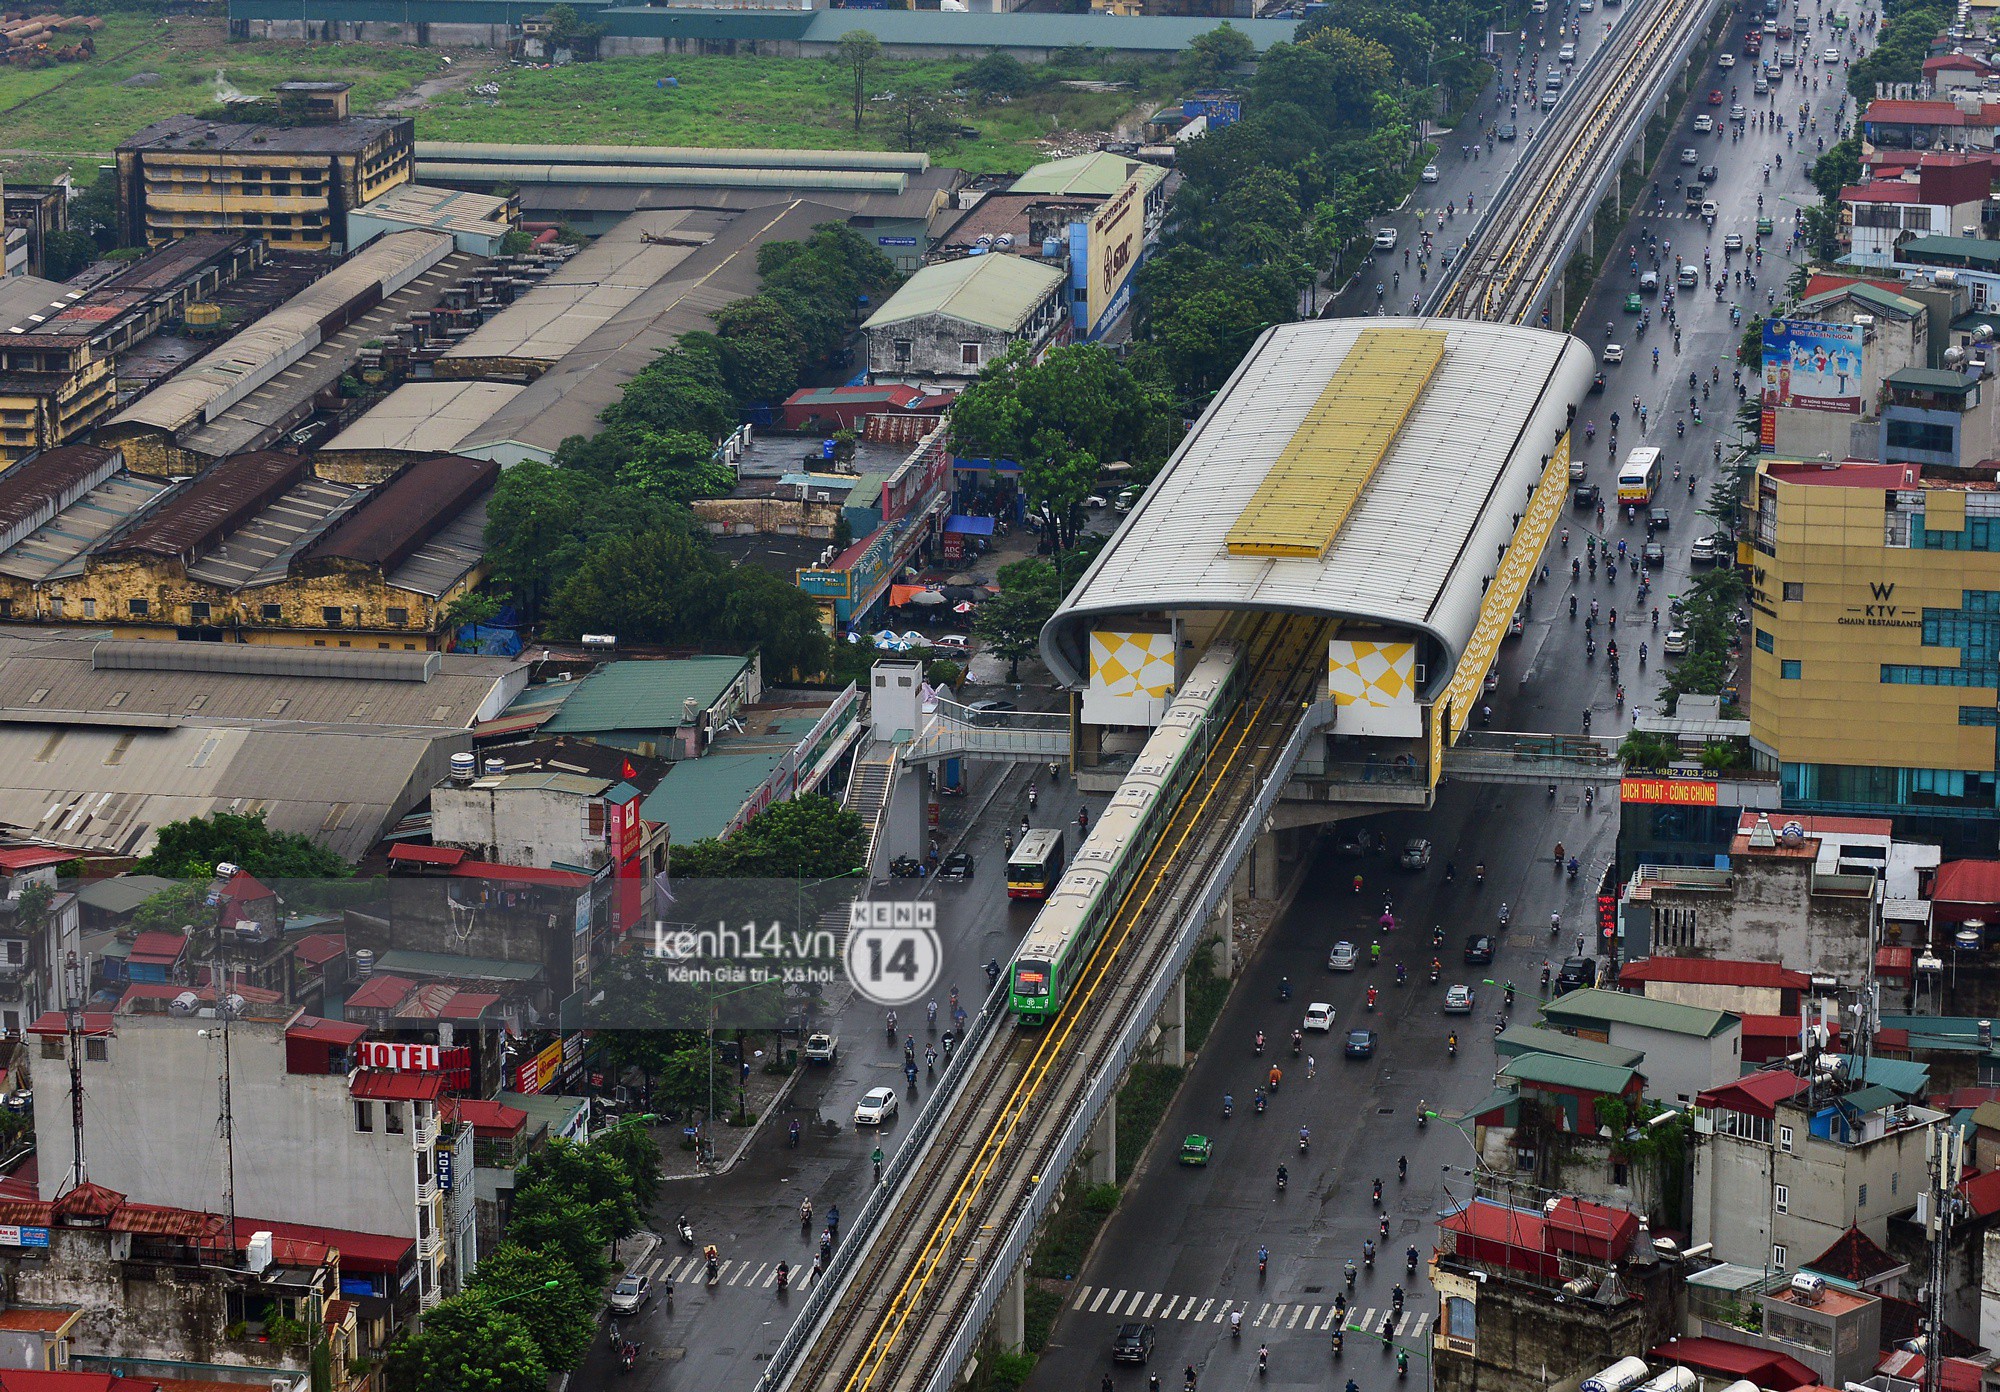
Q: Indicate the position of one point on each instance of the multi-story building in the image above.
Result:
(290, 184)
(1686, 1048)
(1874, 671)
(334, 1143)
(1942, 194)
(39, 929)
(1783, 1167)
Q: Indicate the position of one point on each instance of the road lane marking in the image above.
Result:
(1150, 1305)
(1082, 1296)
(1185, 1308)
(1312, 1320)
(1297, 1310)
(1262, 1310)
(1116, 1301)
(1100, 1299)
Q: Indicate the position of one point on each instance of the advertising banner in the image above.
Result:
(1116, 232)
(1668, 792)
(1812, 367)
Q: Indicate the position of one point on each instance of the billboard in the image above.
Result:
(1373, 681)
(1668, 792)
(1111, 250)
(1812, 367)
(1131, 677)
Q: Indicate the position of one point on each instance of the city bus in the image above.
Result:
(1035, 865)
(1640, 476)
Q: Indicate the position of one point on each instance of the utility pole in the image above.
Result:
(225, 1121)
(1946, 1147)
(73, 1025)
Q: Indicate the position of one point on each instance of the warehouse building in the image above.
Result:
(103, 742)
(950, 319)
(293, 185)
(256, 550)
(476, 222)
(246, 392)
(58, 363)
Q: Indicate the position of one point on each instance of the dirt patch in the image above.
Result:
(463, 71)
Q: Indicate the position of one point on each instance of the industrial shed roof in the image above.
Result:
(22, 296)
(1101, 174)
(643, 694)
(994, 292)
(260, 551)
(430, 415)
(57, 547)
(1453, 475)
(670, 155)
(399, 517)
(32, 491)
(211, 507)
(568, 398)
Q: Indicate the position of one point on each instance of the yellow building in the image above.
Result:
(291, 184)
(1875, 644)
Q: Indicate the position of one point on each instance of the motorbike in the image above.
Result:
(628, 1357)
(1228, 1106)
(686, 1230)
(784, 1278)
(1259, 1048)
(792, 1134)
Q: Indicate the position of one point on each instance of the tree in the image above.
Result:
(807, 838)
(194, 848)
(859, 51)
(633, 1146)
(997, 75)
(1837, 168)
(546, 1219)
(1211, 57)
(470, 609)
(1011, 623)
(594, 1179)
(923, 119)
(559, 1318)
(66, 253)
(466, 1345)
(1642, 749)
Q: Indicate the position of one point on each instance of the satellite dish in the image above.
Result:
(185, 1004)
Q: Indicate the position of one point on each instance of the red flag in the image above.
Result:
(626, 770)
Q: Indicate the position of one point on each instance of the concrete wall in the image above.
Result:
(1677, 1066)
(937, 344)
(1770, 914)
(517, 825)
(1527, 1342)
(1740, 1000)
(779, 516)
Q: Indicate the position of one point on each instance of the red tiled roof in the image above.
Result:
(1854, 1257)
(374, 1252)
(1892, 1039)
(427, 855)
(1776, 1026)
(338, 1032)
(1713, 971)
(1967, 882)
(1964, 1098)
(383, 991)
(397, 1087)
(1895, 961)
(488, 1117)
(44, 1321)
(1883, 191)
(1955, 1375)
(1822, 825)
(1822, 281)
(15, 859)
(1591, 1228)
(519, 874)
(1495, 1233)
(1925, 113)
(1955, 62)
(158, 1220)
(243, 887)
(24, 1182)
(52, 1022)
(468, 1005)
(88, 1201)
(1982, 1191)
(162, 948)
(34, 1380)
(1757, 1094)
(1776, 1371)
(317, 949)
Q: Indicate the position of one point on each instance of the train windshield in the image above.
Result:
(1031, 979)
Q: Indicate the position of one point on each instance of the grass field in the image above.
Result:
(72, 115)
(801, 103)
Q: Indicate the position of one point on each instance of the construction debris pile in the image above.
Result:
(32, 40)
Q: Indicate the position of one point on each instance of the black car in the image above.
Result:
(980, 709)
(1585, 495)
(1708, 174)
(1658, 520)
(1655, 554)
(1506, 130)
(959, 865)
(1597, 384)
(1361, 1043)
(1478, 950)
(1133, 1343)
(1578, 973)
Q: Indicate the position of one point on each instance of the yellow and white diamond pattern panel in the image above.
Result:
(1373, 683)
(1131, 677)
(1503, 597)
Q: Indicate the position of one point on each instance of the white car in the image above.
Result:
(1566, 54)
(1726, 61)
(1585, 6)
(1614, 353)
(1430, 174)
(1458, 1000)
(1704, 124)
(952, 642)
(1690, 155)
(1319, 1017)
(1675, 643)
(1344, 957)
(1732, 242)
(1385, 240)
(1831, 55)
(876, 1109)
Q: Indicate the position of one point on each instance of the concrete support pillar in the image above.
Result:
(1104, 1146)
(1010, 1320)
(1558, 302)
(1173, 1023)
(1265, 877)
(1224, 923)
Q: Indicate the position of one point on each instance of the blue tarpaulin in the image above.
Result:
(969, 526)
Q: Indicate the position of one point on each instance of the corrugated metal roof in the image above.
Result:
(1598, 1005)
(24, 296)
(1100, 173)
(994, 292)
(433, 416)
(260, 550)
(700, 798)
(1319, 474)
(214, 505)
(638, 694)
(1530, 1039)
(1441, 504)
(58, 546)
(1556, 1070)
(449, 555)
(388, 527)
(441, 209)
(35, 489)
(491, 151)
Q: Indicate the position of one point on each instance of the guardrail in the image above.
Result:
(896, 1176)
(1013, 1249)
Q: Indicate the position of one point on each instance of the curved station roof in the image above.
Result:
(1371, 469)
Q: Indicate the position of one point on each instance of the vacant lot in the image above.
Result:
(72, 115)
(771, 103)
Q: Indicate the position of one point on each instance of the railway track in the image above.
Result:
(921, 1274)
(1503, 276)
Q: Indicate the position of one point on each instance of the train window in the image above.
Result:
(1031, 980)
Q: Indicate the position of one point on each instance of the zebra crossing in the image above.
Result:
(746, 1275)
(1257, 1314)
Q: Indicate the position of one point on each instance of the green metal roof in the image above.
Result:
(1940, 250)
(1554, 1070)
(1599, 1006)
(1931, 379)
(699, 798)
(1494, 1101)
(122, 893)
(403, 962)
(1101, 173)
(1871, 1099)
(1530, 1039)
(550, 1109)
(643, 695)
(1889, 300)
(995, 292)
(1905, 1076)
(1019, 29)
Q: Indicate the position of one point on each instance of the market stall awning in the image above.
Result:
(969, 526)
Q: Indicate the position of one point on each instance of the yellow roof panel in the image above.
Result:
(1299, 507)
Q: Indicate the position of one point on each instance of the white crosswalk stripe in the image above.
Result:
(1308, 1316)
(1116, 1301)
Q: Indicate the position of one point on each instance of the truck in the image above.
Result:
(1695, 194)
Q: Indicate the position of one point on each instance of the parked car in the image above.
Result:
(1385, 240)
(1319, 1017)
(1361, 1043)
(988, 707)
(1703, 552)
(959, 865)
(1345, 956)
(877, 1108)
(1478, 950)
(1133, 1343)
(1416, 854)
(822, 1047)
(1578, 973)
(952, 642)
(630, 1295)
(1458, 1000)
